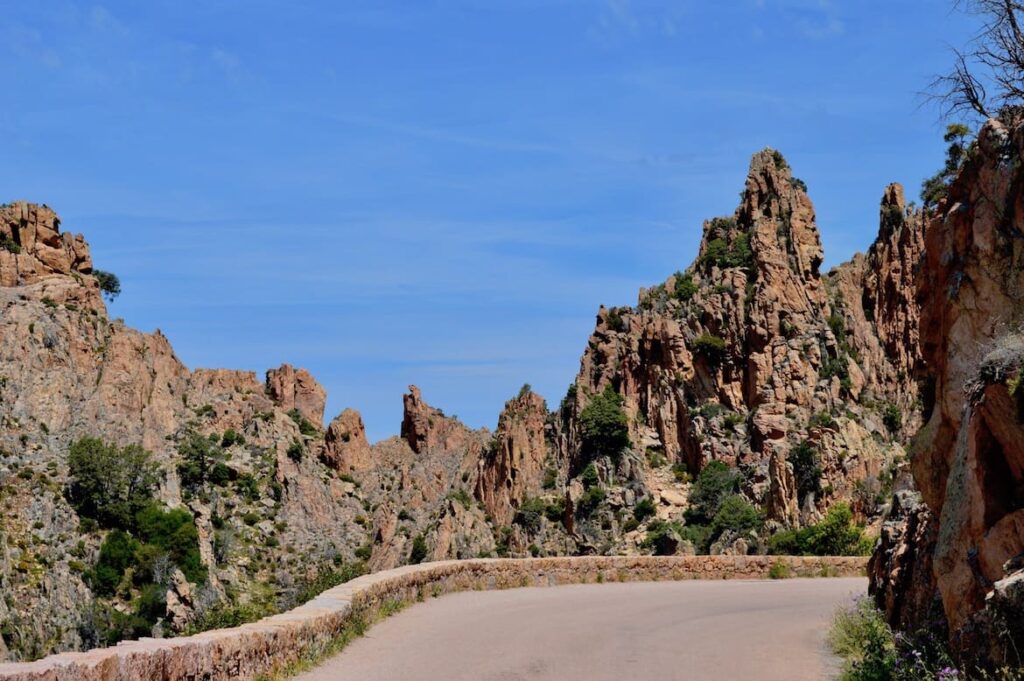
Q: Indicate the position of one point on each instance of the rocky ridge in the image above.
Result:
(750, 357)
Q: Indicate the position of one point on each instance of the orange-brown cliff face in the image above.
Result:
(34, 246)
(345, 446)
(968, 459)
(751, 351)
(297, 389)
(67, 371)
(513, 468)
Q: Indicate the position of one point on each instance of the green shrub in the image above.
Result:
(604, 427)
(529, 514)
(715, 483)
(49, 302)
(204, 411)
(725, 254)
(699, 535)
(174, 533)
(711, 410)
(936, 188)
(550, 478)
(308, 589)
(861, 637)
(615, 321)
(710, 347)
(892, 418)
(419, 549)
(248, 487)
(117, 554)
(198, 455)
(296, 451)
(152, 603)
(8, 243)
(806, 464)
(221, 474)
(680, 472)
(736, 514)
(228, 615)
(462, 496)
(779, 570)
(871, 651)
(565, 407)
(109, 484)
(715, 252)
(656, 457)
(555, 510)
(644, 509)
(305, 427)
(110, 285)
(590, 500)
(630, 524)
(731, 420)
(685, 287)
(662, 537)
(835, 535)
(822, 419)
(231, 438)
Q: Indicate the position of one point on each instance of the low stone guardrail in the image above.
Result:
(274, 646)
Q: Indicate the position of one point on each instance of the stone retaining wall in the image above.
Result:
(274, 644)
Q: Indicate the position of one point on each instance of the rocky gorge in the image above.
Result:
(748, 404)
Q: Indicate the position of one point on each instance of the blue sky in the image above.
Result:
(443, 192)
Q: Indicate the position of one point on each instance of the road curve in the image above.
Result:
(692, 630)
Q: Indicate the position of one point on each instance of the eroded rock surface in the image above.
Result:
(968, 461)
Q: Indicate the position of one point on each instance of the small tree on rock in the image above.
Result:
(604, 425)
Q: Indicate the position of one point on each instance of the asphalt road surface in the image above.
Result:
(693, 630)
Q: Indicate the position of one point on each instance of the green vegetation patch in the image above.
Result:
(604, 426)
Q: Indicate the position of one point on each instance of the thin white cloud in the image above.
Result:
(619, 21)
(826, 27)
(27, 43)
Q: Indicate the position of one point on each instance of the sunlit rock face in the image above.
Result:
(968, 460)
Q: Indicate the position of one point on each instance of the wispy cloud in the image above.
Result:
(619, 21)
(811, 19)
(27, 43)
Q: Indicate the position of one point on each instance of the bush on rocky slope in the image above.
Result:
(110, 484)
(604, 426)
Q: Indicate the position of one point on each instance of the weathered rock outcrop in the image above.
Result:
(32, 246)
(752, 352)
(900, 570)
(297, 389)
(513, 466)
(968, 459)
(66, 372)
(345, 446)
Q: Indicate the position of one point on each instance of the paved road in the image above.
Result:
(692, 630)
